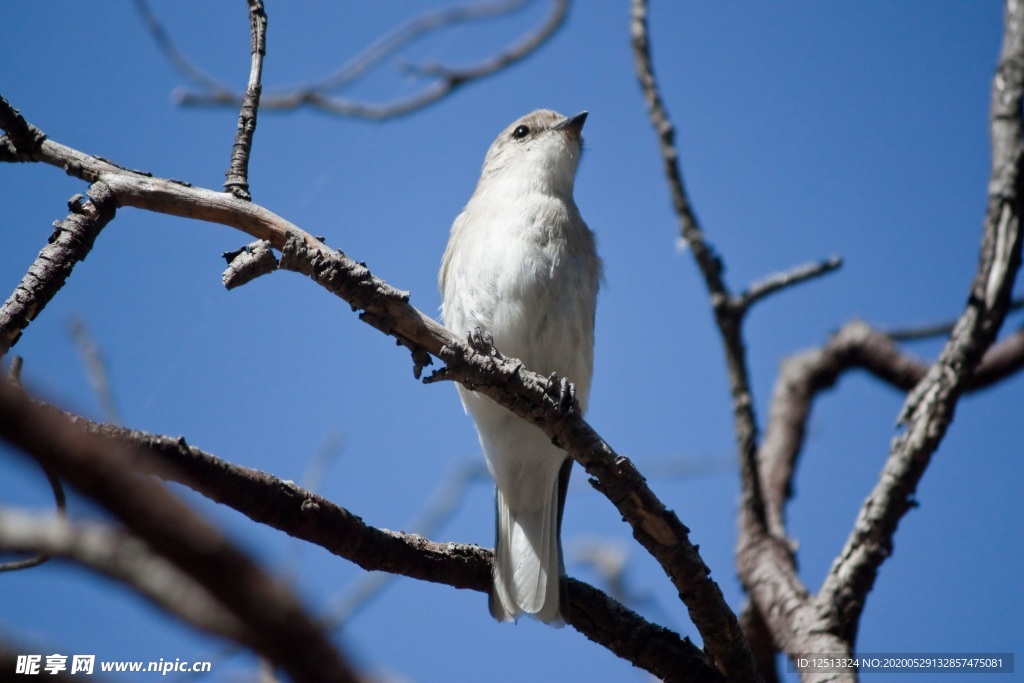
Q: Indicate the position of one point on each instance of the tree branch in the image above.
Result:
(237, 182)
(732, 654)
(913, 333)
(307, 516)
(779, 281)
(279, 628)
(71, 241)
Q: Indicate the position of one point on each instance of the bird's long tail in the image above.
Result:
(528, 566)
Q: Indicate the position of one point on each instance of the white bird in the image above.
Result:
(522, 267)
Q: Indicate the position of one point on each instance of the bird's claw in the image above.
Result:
(480, 341)
(563, 390)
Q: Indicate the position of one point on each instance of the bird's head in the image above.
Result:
(540, 150)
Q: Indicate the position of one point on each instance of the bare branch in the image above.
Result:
(779, 281)
(929, 408)
(938, 329)
(71, 241)
(55, 486)
(800, 380)
(728, 311)
(317, 94)
(248, 263)
(999, 362)
(124, 558)
(307, 516)
(276, 623)
(237, 182)
(22, 139)
(668, 657)
(406, 33)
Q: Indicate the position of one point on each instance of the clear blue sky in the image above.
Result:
(806, 129)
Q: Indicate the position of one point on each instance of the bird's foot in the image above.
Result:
(480, 341)
(563, 391)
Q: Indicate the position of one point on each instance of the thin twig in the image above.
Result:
(405, 34)
(182, 63)
(779, 281)
(237, 182)
(937, 329)
(317, 94)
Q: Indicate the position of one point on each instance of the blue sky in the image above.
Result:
(805, 129)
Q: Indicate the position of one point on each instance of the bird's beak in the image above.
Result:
(573, 125)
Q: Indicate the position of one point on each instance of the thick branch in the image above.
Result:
(534, 398)
(280, 629)
(303, 514)
(71, 241)
(768, 569)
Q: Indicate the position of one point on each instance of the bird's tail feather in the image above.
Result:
(528, 565)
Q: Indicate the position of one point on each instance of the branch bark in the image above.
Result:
(237, 182)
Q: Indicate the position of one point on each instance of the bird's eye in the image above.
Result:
(520, 132)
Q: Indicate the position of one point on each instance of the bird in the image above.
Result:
(521, 271)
